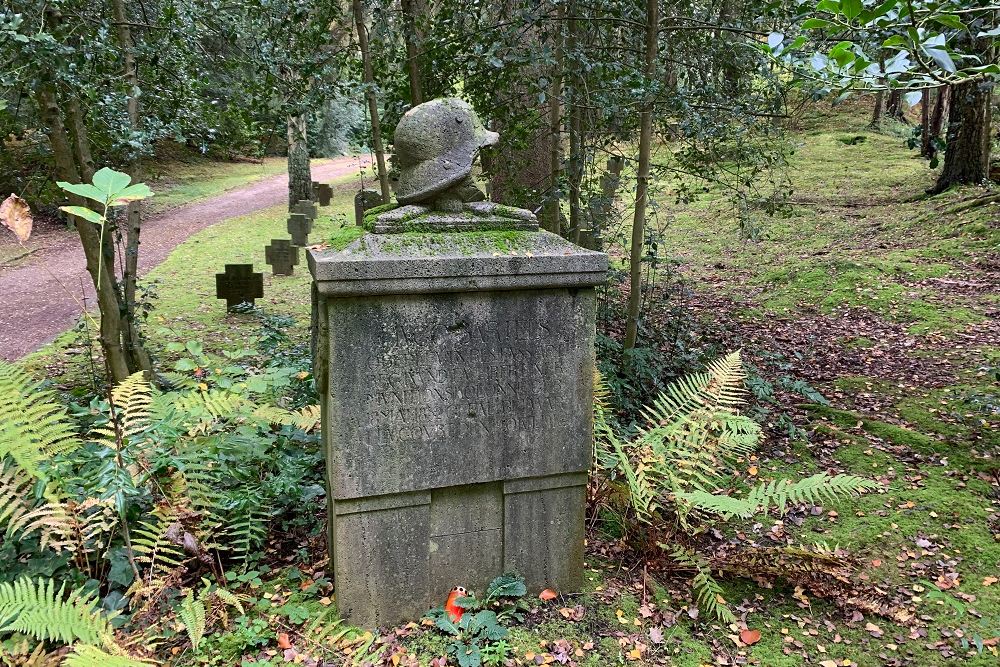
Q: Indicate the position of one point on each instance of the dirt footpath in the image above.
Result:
(37, 297)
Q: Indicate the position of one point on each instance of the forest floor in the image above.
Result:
(881, 299)
(43, 285)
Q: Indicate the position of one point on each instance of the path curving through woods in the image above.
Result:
(37, 296)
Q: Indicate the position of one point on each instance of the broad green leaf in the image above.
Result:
(912, 97)
(84, 190)
(444, 624)
(990, 33)
(195, 347)
(832, 6)
(812, 24)
(942, 58)
(851, 8)
(132, 193)
(775, 39)
(111, 182)
(950, 20)
(83, 212)
(895, 40)
(797, 44)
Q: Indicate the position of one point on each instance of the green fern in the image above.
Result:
(247, 529)
(707, 591)
(153, 546)
(85, 655)
(36, 608)
(192, 614)
(34, 428)
(306, 419)
(778, 494)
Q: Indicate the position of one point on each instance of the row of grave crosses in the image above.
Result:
(239, 284)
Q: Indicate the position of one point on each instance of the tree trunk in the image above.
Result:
(131, 337)
(894, 108)
(641, 185)
(413, 39)
(369, 80)
(299, 172)
(575, 111)
(99, 267)
(967, 149)
(551, 212)
(925, 123)
(877, 113)
(937, 118)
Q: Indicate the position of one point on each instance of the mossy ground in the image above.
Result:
(876, 294)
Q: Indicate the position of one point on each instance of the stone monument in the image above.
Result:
(306, 208)
(322, 193)
(454, 353)
(281, 256)
(364, 200)
(299, 226)
(239, 284)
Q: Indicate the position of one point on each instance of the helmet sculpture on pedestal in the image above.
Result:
(435, 145)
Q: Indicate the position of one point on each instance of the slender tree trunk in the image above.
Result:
(575, 111)
(299, 171)
(131, 337)
(369, 80)
(641, 184)
(551, 213)
(967, 149)
(413, 39)
(925, 123)
(937, 118)
(877, 112)
(101, 270)
(894, 108)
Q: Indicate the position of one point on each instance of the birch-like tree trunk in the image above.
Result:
(641, 184)
(369, 80)
(299, 171)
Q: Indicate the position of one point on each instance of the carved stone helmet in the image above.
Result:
(435, 144)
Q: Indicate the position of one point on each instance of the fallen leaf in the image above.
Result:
(283, 641)
(547, 594)
(749, 637)
(656, 635)
(989, 581)
(15, 215)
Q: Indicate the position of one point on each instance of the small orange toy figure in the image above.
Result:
(454, 611)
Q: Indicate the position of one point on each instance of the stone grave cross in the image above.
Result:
(299, 226)
(282, 256)
(239, 284)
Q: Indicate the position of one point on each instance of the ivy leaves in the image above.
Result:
(109, 188)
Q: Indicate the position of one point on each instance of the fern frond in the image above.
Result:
(34, 427)
(192, 614)
(36, 608)
(247, 529)
(778, 494)
(210, 405)
(131, 412)
(707, 591)
(153, 546)
(306, 419)
(726, 389)
(85, 655)
(788, 561)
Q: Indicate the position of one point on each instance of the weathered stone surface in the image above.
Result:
(299, 226)
(306, 208)
(322, 193)
(239, 284)
(474, 216)
(281, 256)
(435, 145)
(464, 452)
(364, 200)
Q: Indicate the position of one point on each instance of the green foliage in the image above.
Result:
(478, 637)
(192, 614)
(706, 589)
(679, 464)
(84, 655)
(109, 188)
(38, 609)
(33, 426)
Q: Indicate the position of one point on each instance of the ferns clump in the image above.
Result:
(36, 608)
(33, 426)
(678, 465)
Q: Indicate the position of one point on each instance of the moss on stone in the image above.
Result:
(368, 220)
(344, 236)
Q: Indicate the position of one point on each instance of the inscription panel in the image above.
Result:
(440, 390)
